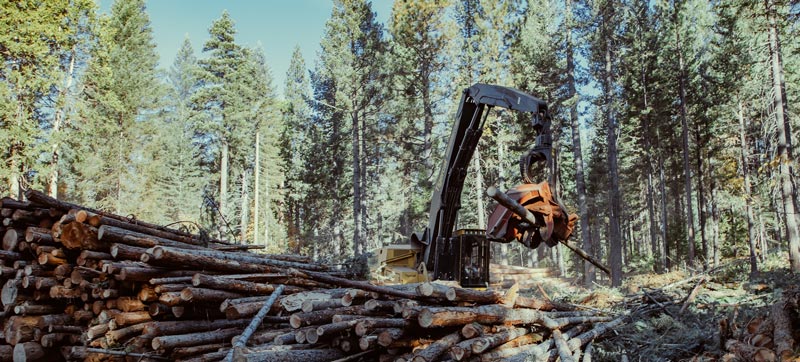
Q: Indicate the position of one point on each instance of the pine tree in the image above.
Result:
(177, 178)
(352, 51)
(120, 88)
(421, 35)
(36, 44)
(295, 146)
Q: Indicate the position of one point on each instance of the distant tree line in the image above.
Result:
(673, 124)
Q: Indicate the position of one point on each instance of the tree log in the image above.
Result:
(164, 328)
(329, 279)
(325, 316)
(454, 294)
(369, 324)
(113, 234)
(309, 355)
(173, 256)
(436, 349)
(486, 343)
(127, 252)
(81, 236)
(486, 314)
(183, 352)
(782, 328)
(241, 286)
(33, 352)
(192, 294)
(162, 343)
(11, 238)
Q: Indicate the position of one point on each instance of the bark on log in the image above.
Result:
(325, 316)
(173, 256)
(127, 252)
(475, 296)
(113, 234)
(433, 290)
(782, 329)
(563, 349)
(143, 274)
(436, 349)
(162, 343)
(206, 295)
(487, 314)
(256, 322)
(129, 318)
(119, 335)
(312, 305)
(241, 286)
(38, 235)
(183, 352)
(474, 330)
(310, 355)
(10, 255)
(486, 343)
(33, 352)
(368, 325)
(81, 236)
(329, 279)
(11, 238)
(248, 258)
(163, 328)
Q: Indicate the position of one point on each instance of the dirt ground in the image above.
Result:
(674, 330)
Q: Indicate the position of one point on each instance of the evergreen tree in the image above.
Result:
(36, 44)
(176, 179)
(421, 35)
(295, 146)
(352, 51)
(119, 90)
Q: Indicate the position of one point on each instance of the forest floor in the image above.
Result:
(724, 294)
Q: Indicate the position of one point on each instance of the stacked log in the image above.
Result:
(79, 284)
(767, 338)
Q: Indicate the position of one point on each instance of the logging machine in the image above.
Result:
(529, 213)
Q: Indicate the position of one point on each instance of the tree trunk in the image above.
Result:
(580, 184)
(256, 189)
(667, 261)
(785, 151)
(357, 246)
(501, 176)
(479, 188)
(651, 215)
(58, 121)
(614, 237)
(701, 200)
(751, 237)
(364, 189)
(267, 213)
(685, 137)
(223, 188)
(243, 211)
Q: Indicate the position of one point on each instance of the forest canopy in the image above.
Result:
(673, 124)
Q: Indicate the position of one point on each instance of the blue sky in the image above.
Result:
(276, 25)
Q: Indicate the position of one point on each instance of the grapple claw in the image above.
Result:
(553, 224)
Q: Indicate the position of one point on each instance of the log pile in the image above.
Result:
(768, 338)
(79, 284)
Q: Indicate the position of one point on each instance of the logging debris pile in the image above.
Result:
(79, 284)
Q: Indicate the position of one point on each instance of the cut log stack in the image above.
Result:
(79, 284)
(768, 338)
